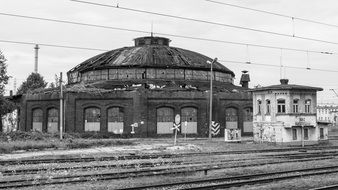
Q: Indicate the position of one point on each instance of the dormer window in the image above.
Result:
(295, 106)
(280, 106)
(307, 106)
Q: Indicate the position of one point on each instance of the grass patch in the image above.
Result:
(29, 141)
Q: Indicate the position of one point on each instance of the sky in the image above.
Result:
(52, 60)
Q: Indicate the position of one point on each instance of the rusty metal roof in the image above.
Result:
(150, 56)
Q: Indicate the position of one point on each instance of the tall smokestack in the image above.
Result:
(36, 58)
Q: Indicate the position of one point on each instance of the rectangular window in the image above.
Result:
(281, 106)
(306, 134)
(321, 133)
(295, 106)
(307, 106)
(294, 134)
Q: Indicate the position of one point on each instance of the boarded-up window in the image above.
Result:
(140, 74)
(189, 120)
(104, 75)
(53, 120)
(231, 118)
(170, 73)
(113, 74)
(161, 73)
(179, 73)
(92, 119)
(151, 73)
(188, 74)
(37, 118)
(115, 120)
(165, 119)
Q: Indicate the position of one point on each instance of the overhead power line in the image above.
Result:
(227, 61)
(286, 66)
(207, 22)
(147, 32)
(273, 13)
(52, 45)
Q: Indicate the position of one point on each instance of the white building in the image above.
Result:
(327, 113)
(286, 113)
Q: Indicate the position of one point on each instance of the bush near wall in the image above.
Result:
(32, 141)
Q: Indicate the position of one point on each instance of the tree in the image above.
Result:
(33, 81)
(55, 84)
(6, 106)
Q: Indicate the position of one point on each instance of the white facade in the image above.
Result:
(286, 113)
(327, 113)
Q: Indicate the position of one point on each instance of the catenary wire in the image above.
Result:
(207, 22)
(273, 13)
(286, 66)
(52, 45)
(228, 61)
(158, 33)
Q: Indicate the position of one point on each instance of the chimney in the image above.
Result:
(36, 58)
(284, 81)
(245, 79)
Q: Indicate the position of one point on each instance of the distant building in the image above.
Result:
(327, 113)
(286, 113)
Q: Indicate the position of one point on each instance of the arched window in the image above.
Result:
(280, 106)
(259, 107)
(165, 119)
(37, 118)
(307, 106)
(295, 106)
(231, 118)
(52, 120)
(115, 120)
(92, 119)
(189, 120)
(268, 107)
(248, 117)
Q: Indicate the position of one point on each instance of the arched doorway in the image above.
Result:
(247, 120)
(189, 117)
(165, 119)
(92, 119)
(37, 119)
(52, 120)
(231, 118)
(115, 120)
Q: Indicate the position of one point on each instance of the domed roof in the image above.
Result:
(150, 52)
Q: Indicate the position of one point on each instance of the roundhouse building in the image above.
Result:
(148, 84)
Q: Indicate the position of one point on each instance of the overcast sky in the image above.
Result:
(55, 60)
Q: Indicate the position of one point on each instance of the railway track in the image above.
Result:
(16, 183)
(236, 181)
(152, 156)
(167, 162)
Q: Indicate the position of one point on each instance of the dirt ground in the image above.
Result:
(147, 146)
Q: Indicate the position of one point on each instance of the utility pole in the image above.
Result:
(210, 103)
(61, 106)
(36, 58)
